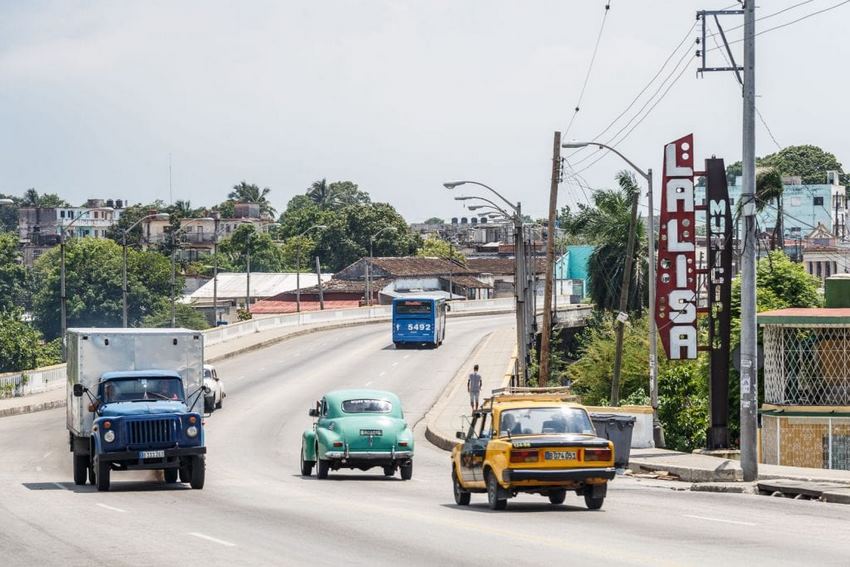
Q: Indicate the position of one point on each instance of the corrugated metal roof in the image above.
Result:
(232, 284)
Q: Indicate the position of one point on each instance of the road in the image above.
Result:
(257, 510)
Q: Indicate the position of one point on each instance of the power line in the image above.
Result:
(589, 67)
(782, 11)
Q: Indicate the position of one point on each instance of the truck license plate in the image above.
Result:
(560, 455)
(151, 454)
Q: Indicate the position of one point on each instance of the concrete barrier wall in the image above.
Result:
(16, 384)
(642, 433)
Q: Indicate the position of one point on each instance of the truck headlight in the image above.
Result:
(109, 436)
(192, 431)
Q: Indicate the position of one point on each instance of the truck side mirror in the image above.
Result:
(460, 435)
(448, 307)
(313, 412)
(78, 390)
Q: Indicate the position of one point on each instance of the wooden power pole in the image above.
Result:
(546, 335)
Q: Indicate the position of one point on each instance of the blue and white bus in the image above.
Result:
(419, 320)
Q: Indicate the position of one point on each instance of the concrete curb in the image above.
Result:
(436, 437)
(32, 408)
(689, 474)
(726, 487)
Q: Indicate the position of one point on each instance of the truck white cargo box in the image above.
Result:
(95, 351)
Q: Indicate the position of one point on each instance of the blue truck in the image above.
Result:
(131, 404)
(419, 321)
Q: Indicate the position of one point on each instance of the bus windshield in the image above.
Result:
(413, 308)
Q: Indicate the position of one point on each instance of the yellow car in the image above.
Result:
(532, 440)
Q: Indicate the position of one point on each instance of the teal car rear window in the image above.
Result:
(366, 406)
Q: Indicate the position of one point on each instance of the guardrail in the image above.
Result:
(39, 380)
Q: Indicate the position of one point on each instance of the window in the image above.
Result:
(366, 406)
(62, 214)
(818, 201)
(413, 308)
(536, 421)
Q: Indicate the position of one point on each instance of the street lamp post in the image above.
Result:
(369, 265)
(62, 295)
(298, 264)
(658, 432)
(124, 292)
(520, 271)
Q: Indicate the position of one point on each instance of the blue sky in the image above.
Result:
(395, 96)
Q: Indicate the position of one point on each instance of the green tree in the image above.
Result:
(807, 161)
(434, 220)
(249, 193)
(9, 214)
(22, 347)
(605, 224)
(683, 404)
(266, 255)
(13, 275)
(33, 199)
(185, 316)
(130, 216)
(439, 248)
(336, 195)
(93, 285)
(226, 209)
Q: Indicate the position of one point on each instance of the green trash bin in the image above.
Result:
(617, 429)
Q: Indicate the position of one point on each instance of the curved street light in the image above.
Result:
(6, 202)
(369, 265)
(658, 434)
(62, 295)
(124, 292)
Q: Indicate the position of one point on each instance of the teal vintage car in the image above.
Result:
(358, 429)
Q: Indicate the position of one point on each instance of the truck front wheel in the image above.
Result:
(81, 469)
(102, 476)
(198, 473)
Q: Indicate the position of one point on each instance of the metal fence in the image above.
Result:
(815, 442)
(807, 365)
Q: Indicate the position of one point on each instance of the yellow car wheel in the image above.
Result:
(557, 496)
(493, 493)
(461, 496)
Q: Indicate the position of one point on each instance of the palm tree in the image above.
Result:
(250, 193)
(605, 224)
(769, 188)
(320, 193)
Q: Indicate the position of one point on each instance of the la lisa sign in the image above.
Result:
(676, 297)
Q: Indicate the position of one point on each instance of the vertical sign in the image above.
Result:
(718, 215)
(675, 303)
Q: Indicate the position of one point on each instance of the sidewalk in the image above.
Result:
(56, 398)
(493, 354)
(725, 475)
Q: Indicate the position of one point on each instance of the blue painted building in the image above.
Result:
(571, 271)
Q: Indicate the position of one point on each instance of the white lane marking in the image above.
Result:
(406, 356)
(369, 383)
(707, 519)
(37, 469)
(213, 539)
(261, 368)
(108, 507)
(47, 454)
(62, 486)
(381, 374)
(395, 363)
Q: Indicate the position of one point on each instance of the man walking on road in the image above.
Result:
(473, 386)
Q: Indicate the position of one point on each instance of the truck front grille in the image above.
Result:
(152, 432)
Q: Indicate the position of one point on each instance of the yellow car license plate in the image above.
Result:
(560, 455)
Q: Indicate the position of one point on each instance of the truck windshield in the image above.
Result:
(537, 421)
(142, 389)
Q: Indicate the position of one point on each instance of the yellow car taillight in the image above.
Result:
(524, 456)
(597, 454)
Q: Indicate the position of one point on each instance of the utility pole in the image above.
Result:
(623, 316)
(521, 295)
(321, 291)
(546, 334)
(749, 373)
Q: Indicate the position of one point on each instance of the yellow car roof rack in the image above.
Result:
(549, 393)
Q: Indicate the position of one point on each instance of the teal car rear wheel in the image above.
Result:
(306, 466)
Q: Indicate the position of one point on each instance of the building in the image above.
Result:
(805, 417)
(823, 254)
(230, 291)
(390, 277)
(804, 207)
(39, 228)
(198, 236)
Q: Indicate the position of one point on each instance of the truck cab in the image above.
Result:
(143, 422)
(135, 417)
